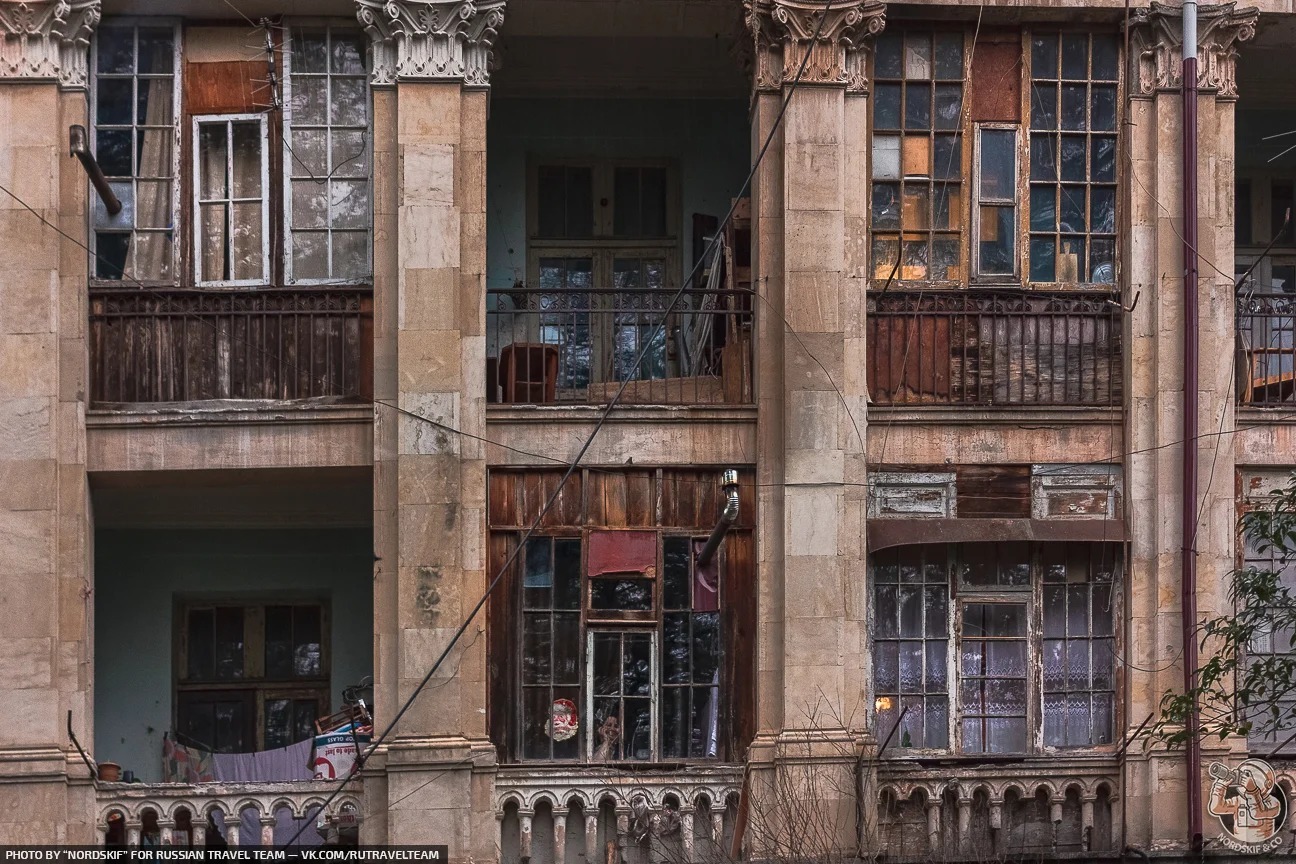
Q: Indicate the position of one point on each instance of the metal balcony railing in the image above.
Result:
(178, 345)
(578, 346)
(1266, 346)
(991, 348)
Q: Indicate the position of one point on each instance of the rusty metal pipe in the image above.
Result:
(1188, 580)
(728, 516)
(77, 147)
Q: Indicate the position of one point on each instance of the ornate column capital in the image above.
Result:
(783, 29)
(431, 40)
(47, 40)
(1156, 47)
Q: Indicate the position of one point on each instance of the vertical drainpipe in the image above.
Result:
(1189, 521)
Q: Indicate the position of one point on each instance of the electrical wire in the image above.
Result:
(607, 411)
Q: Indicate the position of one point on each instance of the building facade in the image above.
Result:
(309, 309)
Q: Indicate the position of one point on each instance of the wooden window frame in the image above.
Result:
(197, 122)
(328, 28)
(966, 132)
(1090, 135)
(883, 271)
(979, 200)
(94, 204)
(1031, 594)
(592, 622)
(253, 681)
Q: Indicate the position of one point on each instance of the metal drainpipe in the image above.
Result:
(1189, 520)
(728, 516)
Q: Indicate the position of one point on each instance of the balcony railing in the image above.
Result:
(172, 345)
(1266, 335)
(579, 345)
(246, 814)
(985, 348)
(1045, 808)
(569, 816)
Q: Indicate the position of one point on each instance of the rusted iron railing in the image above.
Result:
(1266, 346)
(989, 348)
(175, 345)
(579, 345)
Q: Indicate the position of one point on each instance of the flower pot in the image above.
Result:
(109, 772)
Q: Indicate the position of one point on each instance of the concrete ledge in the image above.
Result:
(683, 435)
(947, 415)
(207, 436)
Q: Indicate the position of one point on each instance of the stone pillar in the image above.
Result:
(45, 528)
(1155, 781)
(809, 213)
(431, 76)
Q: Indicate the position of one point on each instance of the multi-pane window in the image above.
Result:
(251, 677)
(992, 677)
(134, 104)
(690, 676)
(911, 644)
(996, 205)
(917, 190)
(1073, 103)
(231, 228)
(318, 199)
(1079, 647)
(619, 663)
(551, 648)
(1032, 633)
(603, 259)
(1039, 191)
(1269, 644)
(327, 157)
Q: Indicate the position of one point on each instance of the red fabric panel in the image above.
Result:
(706, 582)
(622, 552)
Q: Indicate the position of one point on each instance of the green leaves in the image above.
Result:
(1246, 683)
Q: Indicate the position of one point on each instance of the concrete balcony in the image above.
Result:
(249, 814)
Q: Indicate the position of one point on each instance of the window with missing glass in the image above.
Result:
(1030, 198)
(326, 159)
(994, 648)
(251, 676)
(621, 653)
(134, 104)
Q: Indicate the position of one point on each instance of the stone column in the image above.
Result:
(45, 523)
(1155, 781)
(431, 76)
(809, 213)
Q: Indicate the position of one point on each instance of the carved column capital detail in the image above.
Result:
(47, 40)
(783, 30)
(431, 40)
(1156, 47)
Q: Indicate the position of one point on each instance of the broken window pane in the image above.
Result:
(886, 206)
